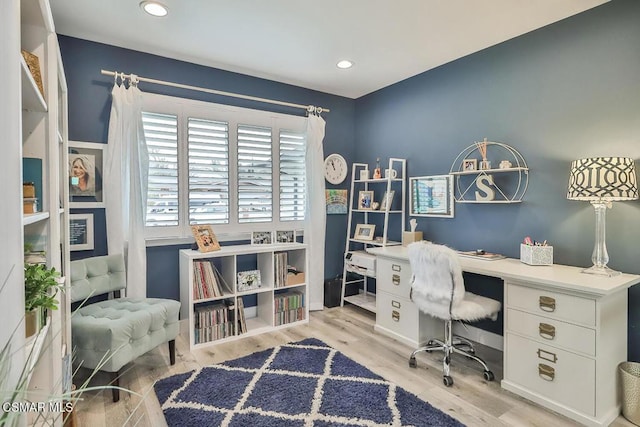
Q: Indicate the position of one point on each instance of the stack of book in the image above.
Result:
(214, 322)
(242, 322)
(289, 307)
(208, 282)
(280, 279)
(29, 200)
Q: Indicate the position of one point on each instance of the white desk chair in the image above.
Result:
(437, 289)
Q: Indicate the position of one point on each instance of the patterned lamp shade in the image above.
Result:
(603, 178)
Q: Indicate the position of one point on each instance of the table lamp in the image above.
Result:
(602, 180)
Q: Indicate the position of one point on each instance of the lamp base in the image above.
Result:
(601, 271)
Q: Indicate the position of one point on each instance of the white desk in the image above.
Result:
(565, 332)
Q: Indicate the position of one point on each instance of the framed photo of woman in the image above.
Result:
(86, 166)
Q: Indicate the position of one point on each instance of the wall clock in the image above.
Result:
(335, 168)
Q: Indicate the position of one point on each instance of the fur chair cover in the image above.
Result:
(438, 286)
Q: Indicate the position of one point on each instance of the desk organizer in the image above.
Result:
(536, 255)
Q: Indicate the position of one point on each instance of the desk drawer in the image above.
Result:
(394, 277)
(552, 304)
(569, 380)
(398, 315)
(553, 332)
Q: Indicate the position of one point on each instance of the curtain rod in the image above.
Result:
(307, 108)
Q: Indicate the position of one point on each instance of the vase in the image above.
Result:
(32, 322)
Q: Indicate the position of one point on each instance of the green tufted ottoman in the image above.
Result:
(109, 334)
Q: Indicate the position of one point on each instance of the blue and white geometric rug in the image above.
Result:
(306, 383)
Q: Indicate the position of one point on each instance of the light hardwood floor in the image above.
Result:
(471, 399)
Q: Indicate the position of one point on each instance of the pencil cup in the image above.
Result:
(536, 255)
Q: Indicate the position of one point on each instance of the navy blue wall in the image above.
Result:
(566, 91)
(89, 108)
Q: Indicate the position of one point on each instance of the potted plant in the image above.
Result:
(40, 290)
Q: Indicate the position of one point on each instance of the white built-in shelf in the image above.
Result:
(379, 180)
(376, 211)
(488, 171)
(366, 301)
(34, 217)
(375, 243)
(32, 99)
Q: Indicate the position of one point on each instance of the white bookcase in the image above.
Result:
(268, 313)
(360, 215)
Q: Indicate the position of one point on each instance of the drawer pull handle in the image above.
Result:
(396, 267)
(395, 279)
(395, 315)
(547, 355)
(547, 331)
(546, 372)
(547, 304)
(395, 304)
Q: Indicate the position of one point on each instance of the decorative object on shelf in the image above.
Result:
(602, 180)
(285, 236)
(364, 231)
(41, 286)
(387, 200)
(505, 184)
(375, 206)
(249, 280)
(28, 190)
(33, 63)
(470, 164)
(81, 232)
(205, 238)
(413, 235)
(86, 166)
(377, 172)
(337, 202)
(390, 173)
(365, 200)
(364, 174)
(29, 205)
(261, 237)
(335, 168)
(431, 196)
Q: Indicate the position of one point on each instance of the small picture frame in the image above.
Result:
(249, 280)
(205, 238)
(364, 231)
(285, 236)
(387, 200)
(365, 200)
(261, 237)
(81, 232)
(469, 165)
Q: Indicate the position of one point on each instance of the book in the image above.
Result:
(488, 256)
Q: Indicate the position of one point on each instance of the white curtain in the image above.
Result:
(315, 218)
(125, 185)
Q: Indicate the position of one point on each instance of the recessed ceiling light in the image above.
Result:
(344, 64)
(154, 8)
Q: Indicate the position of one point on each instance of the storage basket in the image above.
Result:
(630, 381)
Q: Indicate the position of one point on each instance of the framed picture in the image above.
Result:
(336, 201)
(261, 237)
(365, 200)
(364, 231)
(86, 166)
(431, 196)
(387, 200)
(286, 236)
(205, 238)
(248, 280)
(81, 232)
(470, 164)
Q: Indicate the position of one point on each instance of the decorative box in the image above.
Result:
(295, 279)
(29, 205)
(28, 190)
(410, 237)
(536, 255)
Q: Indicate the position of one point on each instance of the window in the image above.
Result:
(238, 169)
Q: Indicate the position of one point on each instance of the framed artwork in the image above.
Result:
(336, 201)
(286, 236)
(81, 232)
(261, 237)
(205, 238)
(364, 231)
(86, 167)
(248, 280)
(365, 200)
(470, 164)
(431, 196)
(387, 200)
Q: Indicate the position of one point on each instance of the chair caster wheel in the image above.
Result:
(447, 380)
(430, 342)
(488, 375)
(412, 362)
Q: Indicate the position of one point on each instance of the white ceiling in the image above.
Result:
(299, 41)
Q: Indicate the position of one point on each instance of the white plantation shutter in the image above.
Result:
(208, 171)
(255, 188)
(161, 134)
(292, 175)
